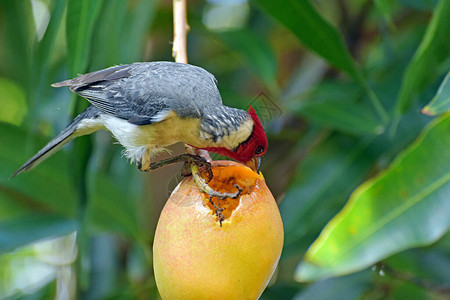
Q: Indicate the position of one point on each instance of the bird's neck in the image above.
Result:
(227, 127)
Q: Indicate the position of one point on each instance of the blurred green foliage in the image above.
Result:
(342, 84)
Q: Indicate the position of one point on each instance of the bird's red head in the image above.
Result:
(254, 147)
(256, 144)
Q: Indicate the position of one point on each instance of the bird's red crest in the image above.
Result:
(257, 143)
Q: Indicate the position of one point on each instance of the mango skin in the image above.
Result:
(195, 258)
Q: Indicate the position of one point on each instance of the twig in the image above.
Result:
(423, 283)
(180, 29)
(179, 52)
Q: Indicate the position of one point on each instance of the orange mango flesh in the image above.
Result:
(195, 258)
(224, 178)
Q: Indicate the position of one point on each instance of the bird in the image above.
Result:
(148, 106)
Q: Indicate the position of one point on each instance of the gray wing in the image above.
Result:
(144, 93)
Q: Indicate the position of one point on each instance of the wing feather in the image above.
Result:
(145, 93)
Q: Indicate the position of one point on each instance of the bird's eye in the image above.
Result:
(259, 150)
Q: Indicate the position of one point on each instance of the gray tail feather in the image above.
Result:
(53, 146)
(58, 142)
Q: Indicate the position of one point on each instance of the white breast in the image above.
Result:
(152, 138)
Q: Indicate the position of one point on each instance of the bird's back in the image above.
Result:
(142, 92)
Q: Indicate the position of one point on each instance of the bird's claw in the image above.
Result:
(204, 167)
(189, 160)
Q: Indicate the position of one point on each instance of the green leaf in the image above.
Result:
(441, 101)
(255, 51)
(431, 263)
(325, 179)
(384, 7)
(313, 31)
(81, 17)
(21, 231)
(345, 116)
(424, 66)
(134, 32)
(320, 36)
(13, 102)
(45, 292)
(45, 47)
(106, 40)
(111, 208)
(420, 4)
(347, 287)
(338, 106)
(406, 206)
(47, 188)
(425, 270)
(16, 34)
(40, 61)
(120, 32)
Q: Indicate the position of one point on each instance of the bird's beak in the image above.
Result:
(254, 163)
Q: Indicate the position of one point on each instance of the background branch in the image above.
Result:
(180, 29)
(179, 52)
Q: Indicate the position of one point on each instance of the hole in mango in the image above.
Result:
(224, 180)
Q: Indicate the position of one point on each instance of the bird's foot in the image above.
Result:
(199, 168)
(204, 167)
(188, 159)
